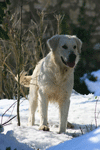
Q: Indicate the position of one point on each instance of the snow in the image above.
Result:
(90, 141)
(9, 140)
(92, 86)
(84, 114)
(81, 115)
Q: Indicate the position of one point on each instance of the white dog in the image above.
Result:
(53, 79)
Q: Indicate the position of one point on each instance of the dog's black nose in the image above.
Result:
(72, 57)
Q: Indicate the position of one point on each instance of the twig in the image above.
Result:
(9, 120)
(6, 111)
(59, 19)
(7, 57)
(81, 130)
(96, 112)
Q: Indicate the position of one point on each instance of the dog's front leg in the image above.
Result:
(63, 110)
(43, 107)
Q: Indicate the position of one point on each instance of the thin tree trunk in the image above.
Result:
(0, 75)
(19, 70)
(18, 98)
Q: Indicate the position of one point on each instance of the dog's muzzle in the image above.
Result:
(71, 60)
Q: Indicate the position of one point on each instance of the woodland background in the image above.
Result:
(25, 27)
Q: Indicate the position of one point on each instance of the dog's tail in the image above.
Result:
(24, 80)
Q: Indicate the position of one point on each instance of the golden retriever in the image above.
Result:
(53, 78)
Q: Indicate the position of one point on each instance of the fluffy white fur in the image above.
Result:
(53, 79)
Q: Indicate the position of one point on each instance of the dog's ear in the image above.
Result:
(53, 42)
(79, 43)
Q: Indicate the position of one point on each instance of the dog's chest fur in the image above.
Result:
(55, 83)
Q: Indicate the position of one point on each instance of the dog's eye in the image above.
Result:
(74, 47)
(65, 46)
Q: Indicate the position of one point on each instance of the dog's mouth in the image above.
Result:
(71, 60)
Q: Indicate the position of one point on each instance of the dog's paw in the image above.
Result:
(69, 125)
(44, 128)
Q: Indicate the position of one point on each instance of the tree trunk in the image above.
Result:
(18, 98)
(19, 68)
(0, 75)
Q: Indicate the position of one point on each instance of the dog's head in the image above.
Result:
(66, 48)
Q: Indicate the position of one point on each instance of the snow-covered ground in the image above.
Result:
(92, 86)
(84, 114)
(90, 141)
